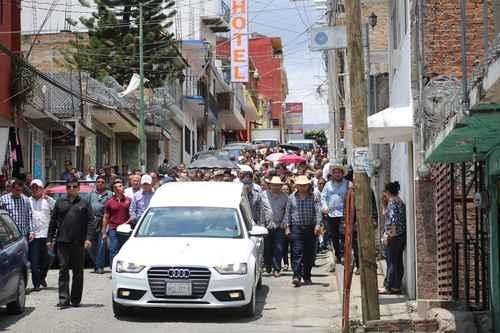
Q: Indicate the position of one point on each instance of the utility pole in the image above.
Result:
(355, 57)
(142, 139)
(333, 99)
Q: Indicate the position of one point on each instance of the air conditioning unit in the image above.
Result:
(327, 38)
(320, 4)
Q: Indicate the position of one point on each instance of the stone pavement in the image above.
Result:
(282, 308)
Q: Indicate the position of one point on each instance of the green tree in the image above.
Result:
(318, 135)
(111, 46)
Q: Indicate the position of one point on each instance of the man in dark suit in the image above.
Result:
(71, 227)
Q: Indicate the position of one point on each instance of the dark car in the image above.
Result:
(13, 265)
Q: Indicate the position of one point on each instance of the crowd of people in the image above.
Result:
(301, 204)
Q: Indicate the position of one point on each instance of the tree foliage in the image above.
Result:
(318, 135)
(111, 47)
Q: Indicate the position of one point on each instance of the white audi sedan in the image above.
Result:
(195, 247)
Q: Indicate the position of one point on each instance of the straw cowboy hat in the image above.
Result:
(302, 180)
(336, 165)
(275, 181)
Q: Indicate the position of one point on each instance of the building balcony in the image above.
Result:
(232, 106)
(218, 22)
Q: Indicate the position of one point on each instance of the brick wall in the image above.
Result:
(442, 35)
(46, 54)
(379, 35)
(425, 228)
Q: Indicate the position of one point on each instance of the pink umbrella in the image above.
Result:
(292, 159)
(274, 157)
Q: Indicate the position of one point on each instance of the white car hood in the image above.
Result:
(151, 251)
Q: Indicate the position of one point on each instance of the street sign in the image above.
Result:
(239, 40)
(327, 38)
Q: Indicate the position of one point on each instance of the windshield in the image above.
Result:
(206, 222)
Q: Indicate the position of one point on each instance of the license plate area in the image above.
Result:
(178, 288)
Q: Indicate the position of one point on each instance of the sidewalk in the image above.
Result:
(397, 313)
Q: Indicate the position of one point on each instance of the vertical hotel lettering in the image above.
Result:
(239, 40)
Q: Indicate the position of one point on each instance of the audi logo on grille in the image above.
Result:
(178, 273)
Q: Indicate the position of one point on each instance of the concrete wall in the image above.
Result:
(271, 78)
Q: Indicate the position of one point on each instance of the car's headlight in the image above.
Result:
(241, 268)
(128, 267)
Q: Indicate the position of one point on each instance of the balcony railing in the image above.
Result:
(193, 86)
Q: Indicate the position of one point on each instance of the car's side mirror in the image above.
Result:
(258, 231)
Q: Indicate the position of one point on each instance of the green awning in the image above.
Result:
(457, 141)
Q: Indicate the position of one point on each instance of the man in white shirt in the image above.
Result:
(41, 207)
(91, 175)
(135, 186)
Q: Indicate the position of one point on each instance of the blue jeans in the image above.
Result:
(273, 249)
(116, 242)
(303, 239)
(39, 259)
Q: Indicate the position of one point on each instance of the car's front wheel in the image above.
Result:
(119, 310)
(17, 307)
(259, 283)
(250, 309)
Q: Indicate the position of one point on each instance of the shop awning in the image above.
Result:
(466, 137)
(391, 125)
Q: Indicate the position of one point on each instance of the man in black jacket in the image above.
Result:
(71, 227)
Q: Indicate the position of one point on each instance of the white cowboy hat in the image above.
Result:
(302, 180)
(275, 181)
(336, 165)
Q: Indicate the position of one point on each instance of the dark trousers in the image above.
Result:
(286, 251)
(273, 249)
(394, 259)
(98, 250)
(355, 247)
(335, 229)
(72, 256)
(39, 259)
(303, 239)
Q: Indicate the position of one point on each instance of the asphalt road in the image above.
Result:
(281, 308)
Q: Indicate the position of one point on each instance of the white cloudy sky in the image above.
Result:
(287, 19)
(290, 20)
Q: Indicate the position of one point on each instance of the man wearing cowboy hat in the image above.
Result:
(302, 226)
(261, 211)
(332, 202)
(274, 242)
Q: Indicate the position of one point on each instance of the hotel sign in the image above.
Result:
(239, 41)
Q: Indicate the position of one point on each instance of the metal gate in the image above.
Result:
(462, 235)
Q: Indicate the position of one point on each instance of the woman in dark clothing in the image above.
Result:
(394, 238)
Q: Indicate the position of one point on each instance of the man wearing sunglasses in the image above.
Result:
(72, 227)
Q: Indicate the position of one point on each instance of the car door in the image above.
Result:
(16, 252)
(5, 243)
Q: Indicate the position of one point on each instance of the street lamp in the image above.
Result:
(372, 20)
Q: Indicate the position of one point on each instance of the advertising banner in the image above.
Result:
(294, 118)
(239, 41)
